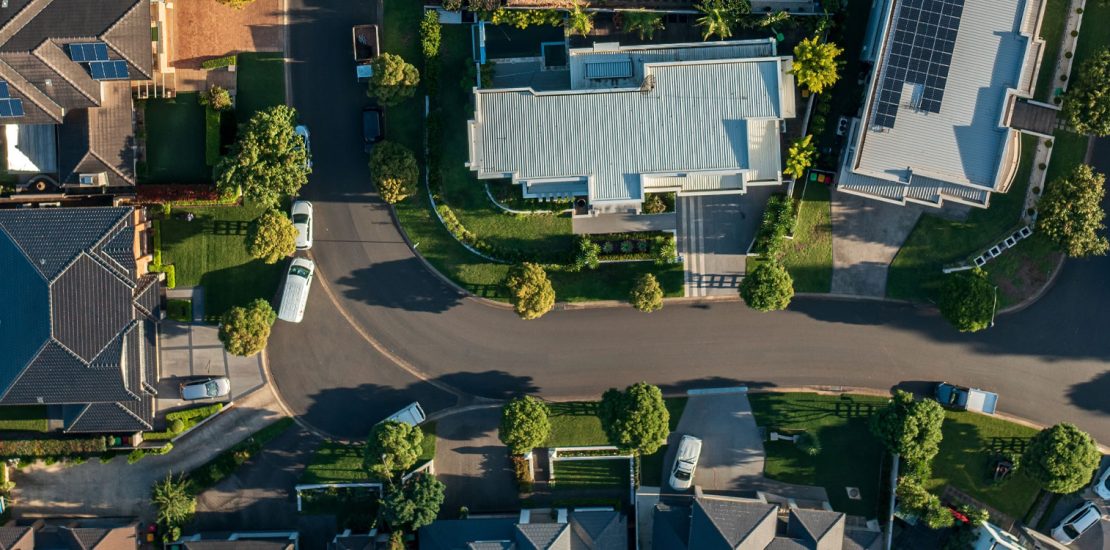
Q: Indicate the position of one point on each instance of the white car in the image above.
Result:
(685, 462)
(1077, 523)
(208, 388)
(1102, 486)
(413, 415)
(302, 220)
(294, 298)
(302, 131)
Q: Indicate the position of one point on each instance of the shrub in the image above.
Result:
(523, 19)
(642, 22)
(50, 447)
(211, 136)
(391, 448)
(778, 222)
(430, 33)
(967, 300)
(175, 502)
(393, 81)
(216, 98)
(635, 419)
(646, 295)
(176, 194)
(579, 22)
(452, 5)
(525, 424)
(801, 154)
(587, 256)
(394, 170)
(244, 331)
(626, 247)
(195, 412)
(219, 62)
(816, 65)
(1072, 214)
(236, 4)
(653, 204)
(415, 504)
(666, 252)
(808, 443)
(272, 237)
(1061, 459)
(768, 287)
(531, 291)
(177, 426)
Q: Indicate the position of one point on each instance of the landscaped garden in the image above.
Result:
(808, 256)
(591, 474)
(335, 462)
(175, 141)
(28, 418)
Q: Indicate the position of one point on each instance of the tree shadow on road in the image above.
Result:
(366, 285)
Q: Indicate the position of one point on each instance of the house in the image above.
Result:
(252, 540)
(732, 523)
(66, 74)
(696, 119)
(78, 534)
(80, 315)
(579, 529)
(687, 6)
(946, 102)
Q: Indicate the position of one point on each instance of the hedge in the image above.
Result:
(211, 136)
(778, 222)
(219, 62)
(188, 417)
(51, 447)
(177, 194)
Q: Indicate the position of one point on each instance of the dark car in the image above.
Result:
(373, 127)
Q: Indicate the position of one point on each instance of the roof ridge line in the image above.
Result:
(133, 415)
(108, 164)
(4, 230)
(34, 52)
(19, 20)
(42, 101)
(79, 415)
(104, 35)
(8, 390)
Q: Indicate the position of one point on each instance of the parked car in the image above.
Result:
(302, 220)
(685, 462)
(413, 415)
(970, 399)
(208, 388)
(1102, 486)
(1077, 523)
(364, 40)
(373, 127)
(302, 131)
(294, 297)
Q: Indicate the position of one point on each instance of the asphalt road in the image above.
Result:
(1049, 362)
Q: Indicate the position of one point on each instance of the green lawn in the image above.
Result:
(849, 456)
(1023, 269)
(915, 273)
(336, 462)
(1052, 31)
(211, 251)
(808, 256)
(1095, 33)
(28, 418)
(1068, 151)
(260, 82)
(576, 424)
(965, 455)
(179, 310)
(591, 473)
(175, 141)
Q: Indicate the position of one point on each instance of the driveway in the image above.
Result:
(732, 447)
(714, 234)
(205, 29)
(474, 464)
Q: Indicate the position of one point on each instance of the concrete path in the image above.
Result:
(474, 464)
(732, 448)
(121, 489)
(714, 233)
(866, 236)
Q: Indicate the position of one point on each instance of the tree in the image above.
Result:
(414, 504)
(720, 16)
(430, 34)
(268, 161)
(1061, 458)
(580, 22)
(800, 157)
(272, 237)
(588, 252)
(815, 64)
(654, 204)
(524, 424)
(245, 330)
(217, 98)
(391, 448)
(394, 171)
(393, 81)
(1071, 214)
(967, 300)
(531, 291)
(635, 419)
(452, 5)
(1086, 104)
(914, 498)
(666, 252)
(174, 501)
(909, 428)
(236, 4)
(768, 287)
(646, 295)
(642, 22)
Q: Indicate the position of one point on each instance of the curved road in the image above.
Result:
(1049, 362)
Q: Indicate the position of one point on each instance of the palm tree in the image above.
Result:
(715, 19)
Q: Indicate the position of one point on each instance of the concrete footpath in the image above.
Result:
(121, 489)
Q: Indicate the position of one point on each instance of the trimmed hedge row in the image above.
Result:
(778, 222)
(211, 136)
(219, 62)
(51, 447)
(184, 420)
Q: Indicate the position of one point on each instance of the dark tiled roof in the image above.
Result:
(542, 536)
(16, 538)
(52, 237)
(670, 529)
(723, 523)
(458, 533)
(87, 286)
(237, 545)
(57, 376)
(92, 141)
(785, 543)
(858, 539)
(815, 525)
(24, 321)
(107, 417)
(120, 250)
(491, 545)
(354, 542)
(600, 529)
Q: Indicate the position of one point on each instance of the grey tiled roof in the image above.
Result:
(87, 286)
(491, 545)
(57, 376)
(785, 543)
(246, 544)
(815, 525)
(600, 530)
(99, 140)
(10, 537)
(119, 249)
(354, 542)
(721, 523)
(858, 539)
(670, 528)
(52, 237)
(84, 538)
(542, 536)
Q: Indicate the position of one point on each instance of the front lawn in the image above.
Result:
(808, 256)
(179, 310)
(1023, 270)
(260, 82)
(1052, 31)
(211, 251)
(576, 424)
(1095, 33)
(175, 141)
(335, 462)
(24, 418)
(591, 474)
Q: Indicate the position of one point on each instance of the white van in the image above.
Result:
(685, 462)
(295, 296)
(1077, 523)
(413, 415)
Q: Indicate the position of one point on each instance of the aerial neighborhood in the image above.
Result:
(554, 274)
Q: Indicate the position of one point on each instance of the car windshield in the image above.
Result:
(1071, 532)
(300, 218)
(299, 271)
(212, 389)
(684, 476)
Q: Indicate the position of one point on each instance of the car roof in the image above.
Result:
(303, 262)
(301, 207)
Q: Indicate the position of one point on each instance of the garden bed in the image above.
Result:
(189, 418)
(26, 418)
(180, 310)
(631, 246)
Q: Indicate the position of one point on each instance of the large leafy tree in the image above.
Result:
(646, 295)
(531, 291)
(768, 287)
(815, 64)
(579, 21)
(268, 161)
(642, 22)
(800, 157)
(967, 300)
(636, 419)
(525, 424)
(393, 447)
(394, 80)
(174, 501)
(394, 171)
(216, 97)
(414, 504)
(245, 330)
(1061, 458)
(914, 498)
(718, 17)
(910, 428)
(1071, 214)
(1087, 102)
(272, 237)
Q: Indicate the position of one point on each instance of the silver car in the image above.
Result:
(208, 388)
(302, 131)
(685, 462)
(302, 220)
(1077, 523)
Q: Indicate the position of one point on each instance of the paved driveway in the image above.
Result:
(732, 449)
(714, 233)
(474, 464)
(191, 350)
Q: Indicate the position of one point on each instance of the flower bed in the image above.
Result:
(219, 62)
(51, 447)
(630, 246)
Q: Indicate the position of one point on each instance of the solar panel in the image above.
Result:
(11, 107)
(82, 52)
(920, 53)
(108, 70)
(3, 90)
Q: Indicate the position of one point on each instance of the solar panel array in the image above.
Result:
(108, 70)
(9, 106)
(920, 54)
(88, 51)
